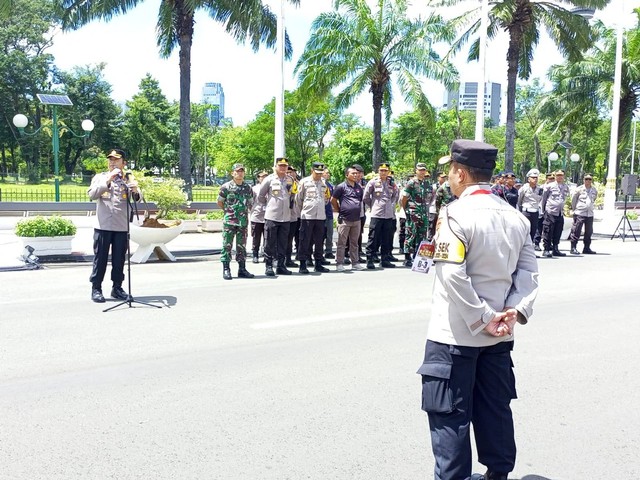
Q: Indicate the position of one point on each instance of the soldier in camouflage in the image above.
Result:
(415, 201)
(236, 199)
(443, 196)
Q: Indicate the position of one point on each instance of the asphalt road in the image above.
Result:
(300, 377)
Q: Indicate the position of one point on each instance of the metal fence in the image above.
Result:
(9, 195)
(19, 195)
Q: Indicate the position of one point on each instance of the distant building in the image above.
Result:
(466, 99)
(213, 94)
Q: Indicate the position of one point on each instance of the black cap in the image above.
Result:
(474, 154)
(116, 153)
(358, 167)
(318, 167)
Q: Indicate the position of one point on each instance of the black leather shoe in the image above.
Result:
(387, 264)
(574, 251)
(96, 296)
(283, 271)
(588, 251)
(291, 264)
(119, 294)
(370, 265)
(391, 258)
(325, 262)
(558, 253)
(329, 255)
(303, 268)
(547, 254)
(269, 271)
(319, 267)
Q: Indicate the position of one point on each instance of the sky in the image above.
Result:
(127, 44)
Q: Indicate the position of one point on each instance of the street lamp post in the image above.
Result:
(552, 157)
(21, 121)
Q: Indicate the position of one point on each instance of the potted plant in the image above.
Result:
(152, 235)
(212, 221)
(48, 236)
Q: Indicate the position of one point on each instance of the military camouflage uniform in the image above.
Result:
(443, 196)
(237, 201)
(419, 194)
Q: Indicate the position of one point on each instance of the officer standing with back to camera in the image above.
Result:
(111, 193)
(486, 281)
(275, 194)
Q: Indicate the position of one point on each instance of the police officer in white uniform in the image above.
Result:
(486, 282)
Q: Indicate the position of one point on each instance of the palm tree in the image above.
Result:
(355, 48)
(523, 21)
(587, 85)
(242, 19)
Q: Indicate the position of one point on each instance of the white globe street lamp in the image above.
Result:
(552, 157)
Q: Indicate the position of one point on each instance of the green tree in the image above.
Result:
(243, 19)
(227, 148)
(587, 85)
(363, 49)
(24, 38)
(146, 128)
(523, 21)
(91, 97)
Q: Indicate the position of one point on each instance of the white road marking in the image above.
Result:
(339, 316)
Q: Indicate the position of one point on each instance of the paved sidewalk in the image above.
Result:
(195, 244)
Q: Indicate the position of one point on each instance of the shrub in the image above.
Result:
(632, 215)
(166, 193)
(215, 215)
(45, 227)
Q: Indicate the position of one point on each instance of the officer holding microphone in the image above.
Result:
(110, 192)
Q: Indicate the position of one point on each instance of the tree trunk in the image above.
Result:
(185, 36)
(513, 54)
(536, 147)
(376, 90)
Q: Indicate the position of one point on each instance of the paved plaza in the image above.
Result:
(300, 377)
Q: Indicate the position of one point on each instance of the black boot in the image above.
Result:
(319, 268)
(408, 262)
(588, 251)
(547, 254)
(289, 263)
(256, 258)
(574, 250)
(243, 272)
(370, 264)
(269, 268)
(281, 269)
(557, 252)
(303, 267)
(226, 271)
(387, 264)
(96, 294)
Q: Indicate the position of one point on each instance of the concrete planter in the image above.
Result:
(43, 246)
(153, 240)
(191, 226)
(211, 225)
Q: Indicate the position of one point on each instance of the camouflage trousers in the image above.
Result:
(417, 229)
(228, 234)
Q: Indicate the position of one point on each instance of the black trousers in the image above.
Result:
(311, 236)
(576, 230)
(533, 220)
(552, 230)
(294, 234)
(381, 232)
(257, 231)
(275, 240)
(462, 386)
(103, 240)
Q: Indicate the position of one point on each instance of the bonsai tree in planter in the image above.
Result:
(167, 194)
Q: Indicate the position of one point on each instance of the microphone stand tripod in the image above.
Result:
(131, 208)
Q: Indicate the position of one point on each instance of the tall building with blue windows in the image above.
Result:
(213, 94)
(466, 99)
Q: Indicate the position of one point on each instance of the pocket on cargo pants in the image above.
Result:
(437, 396)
